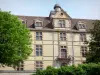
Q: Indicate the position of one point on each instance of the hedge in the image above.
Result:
(83, 69)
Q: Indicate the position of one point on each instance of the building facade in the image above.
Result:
(57, 40)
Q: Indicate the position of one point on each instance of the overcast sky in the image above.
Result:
(89, 9)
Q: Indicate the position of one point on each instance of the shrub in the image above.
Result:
(83, 69)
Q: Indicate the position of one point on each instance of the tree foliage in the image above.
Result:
(94, 44)
(82, 69)
(14, 40)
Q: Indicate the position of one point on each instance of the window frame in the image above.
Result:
(20, 67)
(23, 22)
(38, 50)
(39, 65)
(38, 25)
(83, 51)
(83, 37)
(64, 55)
(63, 36)
(38, 35)
(81, 25)
(62, 23)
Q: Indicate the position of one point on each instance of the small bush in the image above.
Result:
(83, 69)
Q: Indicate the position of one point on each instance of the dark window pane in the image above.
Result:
(61, 46)
(37, 37)
(40, 53)
(37, 62)
(37, 49)
(40, 33)
(17, 69)
(21, 69)
(37, 53)
(37, 46)
(40, 37)
(22, 65)
(37, 33)
(23, 22)
(64, 46)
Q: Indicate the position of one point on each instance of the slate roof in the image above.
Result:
(47, 22)
(31, 19)
(88, 22)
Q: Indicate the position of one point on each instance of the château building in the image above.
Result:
(57, 40)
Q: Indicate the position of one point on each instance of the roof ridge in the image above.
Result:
(31, 16)
(85, 19)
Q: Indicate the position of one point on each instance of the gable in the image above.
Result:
(60, 15)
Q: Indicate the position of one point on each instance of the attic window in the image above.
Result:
(61, 23)
(38, 24)
(82, 25)
(23, 22)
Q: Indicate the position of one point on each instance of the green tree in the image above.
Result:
(94, 45)
(15, 42)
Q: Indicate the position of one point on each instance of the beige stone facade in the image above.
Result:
(56, 45)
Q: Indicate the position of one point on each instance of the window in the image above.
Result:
(83, 37)
(39, 65)
(38, 50)
(62, 23)
(83, 51)
(61, 13)
(20, 67)
(23, 22)
(82, 26)
(38, 35)
(38, 24)
(63, 51)
(63, 36)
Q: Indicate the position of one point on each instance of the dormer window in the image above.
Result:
(81, 25)
(62, 23)
(23, 22)
(38, 24)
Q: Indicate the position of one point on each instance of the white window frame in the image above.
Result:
(38, 24)
(39, 65)
(62, 23)
(39, 50)
(61, 48)
(81, 25)
(38, 35)
(63, 36)
(83, 37)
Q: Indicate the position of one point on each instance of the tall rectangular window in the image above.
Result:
(38, 35)
(83, 37)
(63, 52)
(38, 50)
(62, 23)
(20, 67)
(63, 36)
(83, 51)
(39, 65)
